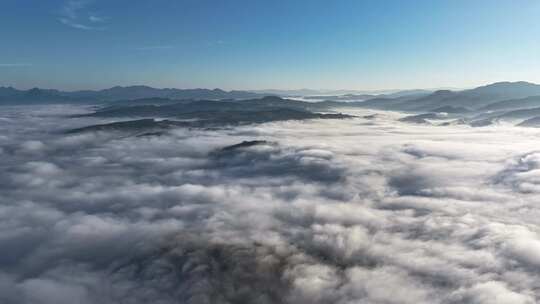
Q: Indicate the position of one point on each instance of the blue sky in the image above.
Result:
(260, 44)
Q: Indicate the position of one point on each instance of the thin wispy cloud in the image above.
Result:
(218, 42)
(96, 19)
(75, 14)
(154, 47)
(14, 65)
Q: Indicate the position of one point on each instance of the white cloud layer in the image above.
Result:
(329, 211)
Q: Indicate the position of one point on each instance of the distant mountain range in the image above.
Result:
(157, 110)
(312, 92)
(501, 96)
(338, 93)
(481, 97)
(12, 96)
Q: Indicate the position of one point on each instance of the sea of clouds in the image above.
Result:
(363, 210)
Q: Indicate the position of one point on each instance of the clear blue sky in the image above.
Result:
(259, 44)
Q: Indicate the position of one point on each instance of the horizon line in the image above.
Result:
(271, 89)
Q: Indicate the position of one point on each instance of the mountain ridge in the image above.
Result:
(12, 96)
(474, 99)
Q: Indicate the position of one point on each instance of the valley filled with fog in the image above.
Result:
(269, 152)
(346, 205)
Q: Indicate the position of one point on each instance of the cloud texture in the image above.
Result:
(74, 14)
(366, 210)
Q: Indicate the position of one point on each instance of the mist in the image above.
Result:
(363, 210)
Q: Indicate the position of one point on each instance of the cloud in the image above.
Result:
(154, 47)
(320, 212)
(75, 14)
(96, 19)
(14, 65)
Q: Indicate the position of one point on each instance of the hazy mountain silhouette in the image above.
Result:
(384, 103)
(471, 99)
(339, 93)
(11, 96)
(450, 110)
(346, 97)
(520, 114)
(365, 97)
(137, 92)
(485, 102)
(531, 122)
(523, 103)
